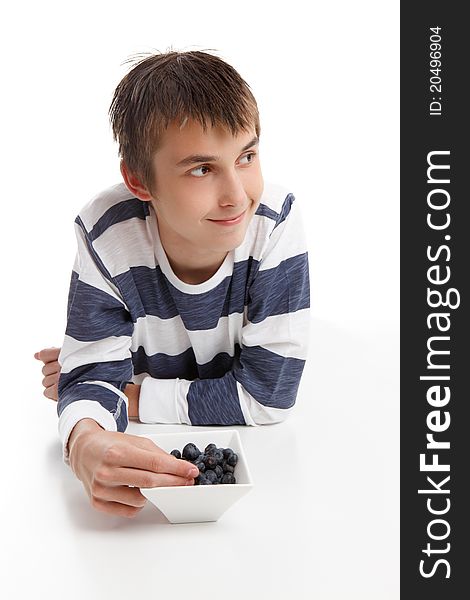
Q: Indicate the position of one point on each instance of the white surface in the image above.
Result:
(321, 521)
(326, 79)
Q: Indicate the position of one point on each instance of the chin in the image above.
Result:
(234, 241)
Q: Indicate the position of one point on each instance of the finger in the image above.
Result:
(142, 479)
(115, 508)
(51, 393)
(50, 380)
(47, 354)
(50, 368)
(156, 461)
(122, 494)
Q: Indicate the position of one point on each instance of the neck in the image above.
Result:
(190, 264)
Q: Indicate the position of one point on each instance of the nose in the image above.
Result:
(232, 191)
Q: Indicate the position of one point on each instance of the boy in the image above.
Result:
(189, 298)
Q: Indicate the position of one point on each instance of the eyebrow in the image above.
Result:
(199, 158)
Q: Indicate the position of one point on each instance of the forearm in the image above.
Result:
(237, 398)
(94, 390)
(88, 424)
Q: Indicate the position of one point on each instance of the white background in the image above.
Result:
(326, 82)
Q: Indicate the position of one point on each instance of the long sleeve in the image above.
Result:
(95, 358)
(262, 386)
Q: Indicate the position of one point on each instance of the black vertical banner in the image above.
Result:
(435, 269)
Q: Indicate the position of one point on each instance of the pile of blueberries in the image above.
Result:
(216, 465)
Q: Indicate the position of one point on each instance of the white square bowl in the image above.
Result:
(199, 503)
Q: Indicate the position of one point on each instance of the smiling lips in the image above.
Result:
(227, 222)
(233, 221)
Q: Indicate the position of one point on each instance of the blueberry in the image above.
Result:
(216, 465)
(218, 454)
(201, 466)
(210, 475)
(210, 461)
(232, 460)
(191, 452)
(226, 468)
(204, 481)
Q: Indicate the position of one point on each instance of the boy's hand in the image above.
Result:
(107, 463)
(50, 370)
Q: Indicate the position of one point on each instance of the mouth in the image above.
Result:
(232, 221)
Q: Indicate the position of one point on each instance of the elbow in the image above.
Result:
(269, 415)
(264, 406)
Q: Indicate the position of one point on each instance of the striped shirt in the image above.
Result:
(228, 351)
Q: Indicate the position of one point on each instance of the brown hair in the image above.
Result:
(170, 86)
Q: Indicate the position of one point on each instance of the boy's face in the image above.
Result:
(203, 181)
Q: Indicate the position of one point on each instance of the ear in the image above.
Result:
(134, 184)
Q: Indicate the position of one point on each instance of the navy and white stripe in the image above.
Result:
(228, 351)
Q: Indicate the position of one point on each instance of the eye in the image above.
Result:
(198, 169)
(252, 155)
